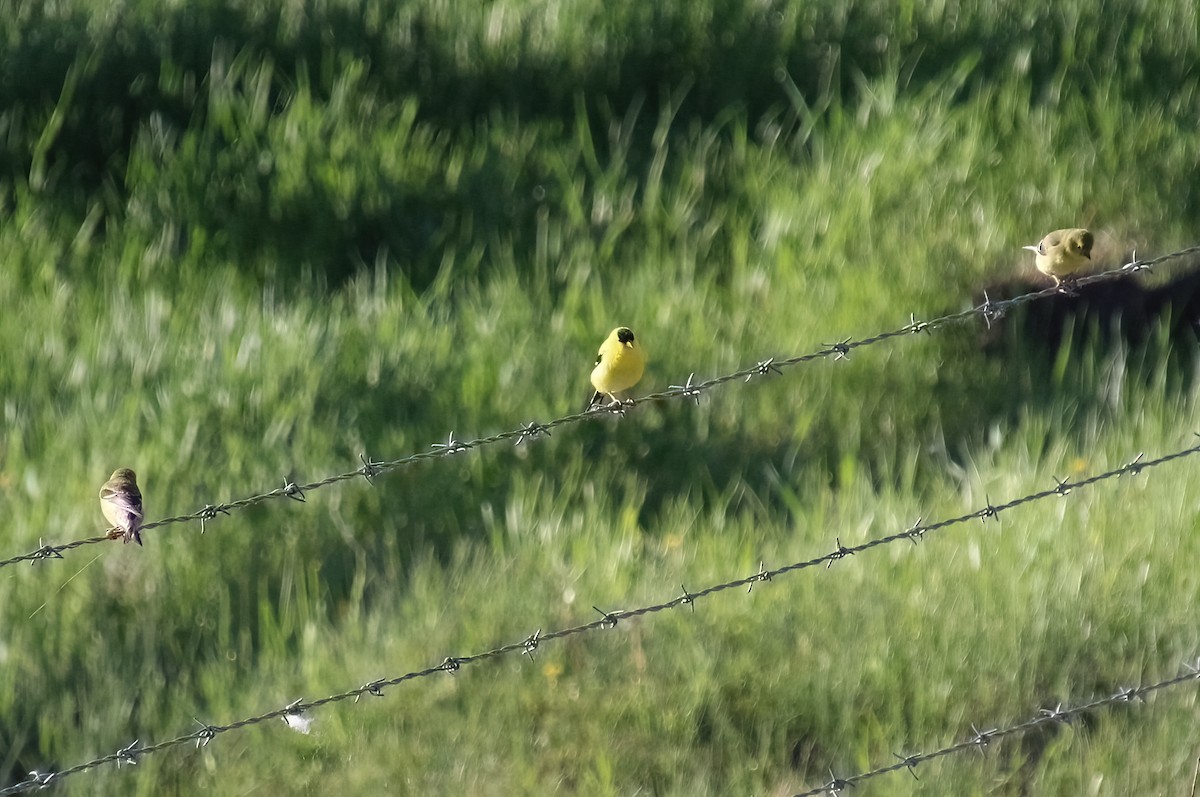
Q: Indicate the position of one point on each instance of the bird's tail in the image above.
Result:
(596, 397)
(133, 533)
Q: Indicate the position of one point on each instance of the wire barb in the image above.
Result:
(39, 780)
(531, 643)
(764, 368)
(128, 754)
(840, 350)
(1135, 265)
(841, 553)
(991, 311)
(373, 688)
(616, 407)
(45, 551)
(293, 716)
(761, 577)
(1126, 694)
(910, 763)
(836, 785)
(915, 327)
(688, 389)
(1134, 467)
(210, 512)
(1066, 287)
(293, 491)
(370, 468)
(981, 739)
(451, 446)
(530, 431)
(610, 619)
(206, 733)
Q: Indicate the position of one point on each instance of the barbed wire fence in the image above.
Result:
(294, 711)
(979, 740)
(989, 311)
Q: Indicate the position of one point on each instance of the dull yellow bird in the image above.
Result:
(121, 502)
(619, 365)
(1062, 253)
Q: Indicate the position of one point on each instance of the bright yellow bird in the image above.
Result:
(1062, 253)
(121, 502)
(619, 365)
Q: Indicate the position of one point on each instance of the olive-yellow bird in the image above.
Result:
(121, 502)
(619, 365)
(1062, 253)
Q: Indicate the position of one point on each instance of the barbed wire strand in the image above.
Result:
(989, 311)
(979, 740)
(206, 733)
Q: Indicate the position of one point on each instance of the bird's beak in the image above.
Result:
(1031, 248)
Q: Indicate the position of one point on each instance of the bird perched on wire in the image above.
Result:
(1062, 253)
(121, 502)
(619, 365)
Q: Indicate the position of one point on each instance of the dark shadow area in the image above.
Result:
(1159, 322)
(644, 52)
(1066, 351)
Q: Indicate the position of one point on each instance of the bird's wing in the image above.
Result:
(128, 499)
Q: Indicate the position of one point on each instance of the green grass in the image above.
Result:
(244, 243)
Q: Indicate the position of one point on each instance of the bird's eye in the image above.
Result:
(599, 357)
(1042, 248)
(1085, 244)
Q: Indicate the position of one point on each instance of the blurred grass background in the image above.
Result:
(248, 241)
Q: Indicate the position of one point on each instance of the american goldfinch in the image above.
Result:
(121, 502)
(619, 365)
(1062, 253)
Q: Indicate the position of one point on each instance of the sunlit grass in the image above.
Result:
(303, 253)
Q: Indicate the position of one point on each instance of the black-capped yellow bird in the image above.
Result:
(1063, 253)
(121, 502)
(619, 365)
